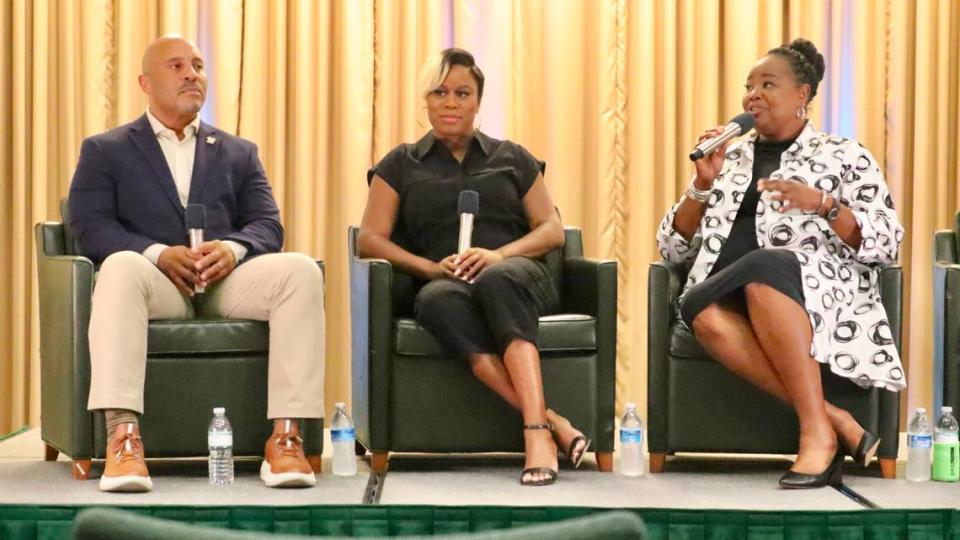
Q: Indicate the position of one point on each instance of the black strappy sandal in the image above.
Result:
(551, 473)
(576, 460)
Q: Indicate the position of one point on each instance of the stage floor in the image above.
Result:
(691, 482)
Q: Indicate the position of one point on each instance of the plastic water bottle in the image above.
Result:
(919, 444)
(946, 447)
(343, 437)
(220, 441)
(631, 442)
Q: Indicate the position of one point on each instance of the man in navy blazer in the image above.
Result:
(128, 203)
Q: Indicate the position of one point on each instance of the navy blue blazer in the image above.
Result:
(123, 197)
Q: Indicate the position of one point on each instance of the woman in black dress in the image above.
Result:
(481, 305)
(786, 232)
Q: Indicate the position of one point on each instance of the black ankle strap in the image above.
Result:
(548, 426)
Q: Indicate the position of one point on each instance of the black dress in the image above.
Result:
(507, 299)
(740, 261)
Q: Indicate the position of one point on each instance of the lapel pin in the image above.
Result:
(211, 140)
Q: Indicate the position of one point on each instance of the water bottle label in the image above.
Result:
(220, 439)
(342, 435)
(631, 435)
(946, 462)
(919, 441)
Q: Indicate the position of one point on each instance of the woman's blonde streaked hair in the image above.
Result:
(436, 69)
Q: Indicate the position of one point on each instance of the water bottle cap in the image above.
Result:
(922, 410)
(631, 405)
(340, 405)
(219, 410)
(946, 410)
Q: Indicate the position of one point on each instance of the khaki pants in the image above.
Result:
(285, 289)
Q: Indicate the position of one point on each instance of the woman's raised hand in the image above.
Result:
(793, 195)
(708, 167)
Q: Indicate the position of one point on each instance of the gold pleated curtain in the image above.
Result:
(610, 93)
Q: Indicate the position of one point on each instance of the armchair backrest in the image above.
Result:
(948, 253)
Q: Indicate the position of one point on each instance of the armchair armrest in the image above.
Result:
(65, 288)
(946, 329)
(664, 283)
(891, 294)
(371, 328)
(590, 287)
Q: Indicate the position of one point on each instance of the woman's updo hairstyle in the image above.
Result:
(437, 68)
(805, 61)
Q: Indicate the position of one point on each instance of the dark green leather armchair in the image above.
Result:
(694, 404)
(946, 318)
(408, 396)
(192, 366)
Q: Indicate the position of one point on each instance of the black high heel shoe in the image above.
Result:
(866, 449)
(551, 473)
(832, 476)
(577, 457)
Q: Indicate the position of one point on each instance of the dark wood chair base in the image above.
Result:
(888, 466)
(380, 461)
(604, 461)
(81, 469)
(656, 462)
(50, 453)
(315, 463)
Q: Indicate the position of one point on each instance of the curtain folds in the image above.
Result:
(610, 93)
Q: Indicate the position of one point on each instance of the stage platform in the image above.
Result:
(694, 489)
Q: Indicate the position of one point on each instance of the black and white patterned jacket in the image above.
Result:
(851, 332)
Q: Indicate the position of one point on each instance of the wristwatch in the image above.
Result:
(834, 212)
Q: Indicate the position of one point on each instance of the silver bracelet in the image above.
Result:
(698, 195)
(823, 199)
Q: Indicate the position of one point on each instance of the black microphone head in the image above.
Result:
(196, 216)
(745, 120)
(469, 202)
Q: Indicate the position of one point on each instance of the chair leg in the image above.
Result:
(604, 461)
(50, 453)
(888, 466)
(81, 469)
(380, 461)
(315, 464)
(359, 449)
(656, 462)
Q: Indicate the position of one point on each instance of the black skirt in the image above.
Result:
(777, 268)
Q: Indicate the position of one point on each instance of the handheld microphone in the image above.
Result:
(196, 218)
(738, 125)
(468, 206)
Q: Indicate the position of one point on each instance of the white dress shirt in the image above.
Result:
(180, 155)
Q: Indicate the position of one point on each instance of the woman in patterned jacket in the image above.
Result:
(787, 231)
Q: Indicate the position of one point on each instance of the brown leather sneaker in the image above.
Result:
(284, 463)
(125, 469)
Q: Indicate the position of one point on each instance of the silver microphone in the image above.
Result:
(467, 207)
(196, 218)
(738, 125)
